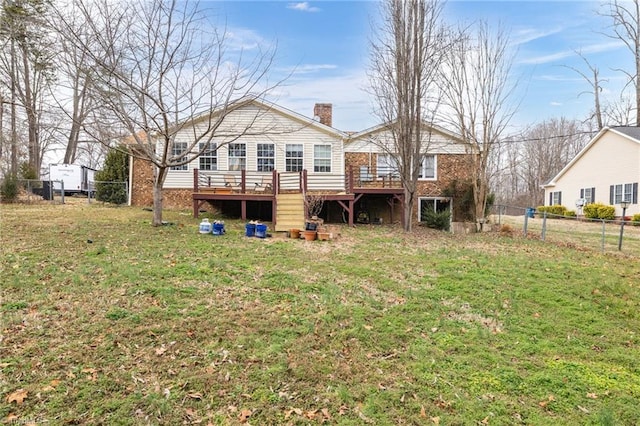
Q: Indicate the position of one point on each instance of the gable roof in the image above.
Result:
(630, 133)
(382, 127)
(267, 106)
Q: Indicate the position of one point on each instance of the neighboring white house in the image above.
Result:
(606, 170)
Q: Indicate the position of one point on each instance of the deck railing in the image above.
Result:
(245, 182)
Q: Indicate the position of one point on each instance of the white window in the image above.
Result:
(437, 205)
(428, 167)
(209, 156)
(386, 166)
(322, 158)
(628, 192)
(266, 157)
(177, 151)
(555, 198)
(237, 156)
(588, 195)
(293, 157)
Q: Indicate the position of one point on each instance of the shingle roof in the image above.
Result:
(632, 131)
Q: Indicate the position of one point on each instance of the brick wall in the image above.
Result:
(142, 189)
(142, 183)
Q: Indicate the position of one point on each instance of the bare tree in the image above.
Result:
(75, 77)
(406, 58)
(626, 27)
(593, 78)
(26, 60)
(531, 158)
(619, 113)
(161, 69)
(476, 88)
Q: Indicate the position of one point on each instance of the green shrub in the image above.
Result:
(556, 210)
(437, 220)
(9, 189)
(111, 180)
(636, 219)
(570, 213)
(599, 211)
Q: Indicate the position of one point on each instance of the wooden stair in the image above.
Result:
(289, 212)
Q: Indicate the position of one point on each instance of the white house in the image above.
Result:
(606, 170)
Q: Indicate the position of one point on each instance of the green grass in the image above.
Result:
(107, 320)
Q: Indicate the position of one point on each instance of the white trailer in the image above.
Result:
(76, 179)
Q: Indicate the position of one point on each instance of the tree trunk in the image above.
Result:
(158, 183)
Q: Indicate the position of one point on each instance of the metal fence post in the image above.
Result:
(62, 191)
(603, 233)
(544, 226)
(526, 222)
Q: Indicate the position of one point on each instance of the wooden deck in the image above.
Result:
(248, 187)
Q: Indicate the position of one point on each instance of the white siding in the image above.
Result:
(612, 159)
(439, 144)
(267, 126)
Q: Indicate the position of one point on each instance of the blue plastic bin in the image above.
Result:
(218, 229)
(531, 212)
(250, 229)
(261, 230)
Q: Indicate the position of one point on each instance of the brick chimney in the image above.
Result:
(324, 113)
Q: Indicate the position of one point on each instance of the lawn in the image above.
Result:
(107, 320)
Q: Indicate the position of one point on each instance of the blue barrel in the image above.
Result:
(261, 230)
(218, 229)
(250, 229)
(531, 212)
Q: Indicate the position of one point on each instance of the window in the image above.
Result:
(588, 195)
(293, 157)
(266, 157)
(387, 166)
(322, 158)
(627, 191)
(555, 198)
(209, 156)
(428, 167)
(237, 156)
(177, 153)
(437, 205)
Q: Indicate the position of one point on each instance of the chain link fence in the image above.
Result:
(31, 191)
(580, 232)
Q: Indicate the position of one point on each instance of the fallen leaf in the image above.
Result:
(485, 421)
(11, 418)
(423, 412)
(17, 396)
(592, 396)
(195, 395)
(536, 315)
(244, 415)
(161, 350)
(368, 327)
(435, 420)
(326, 413)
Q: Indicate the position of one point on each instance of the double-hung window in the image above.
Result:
(293, 157)
(588, 195)
(626, 191)
(555, 198)
(266, 155)
(178, 151)
(208, 156)
(428, 167)
(237, 156)
(386, 166)
(322, 158)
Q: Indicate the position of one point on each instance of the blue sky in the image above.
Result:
(326, 44)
